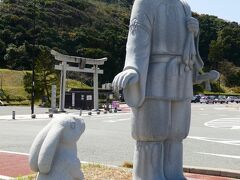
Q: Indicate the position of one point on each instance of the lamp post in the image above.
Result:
(33, 61)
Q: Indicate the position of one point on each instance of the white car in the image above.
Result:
(203, 99)
(222, 99)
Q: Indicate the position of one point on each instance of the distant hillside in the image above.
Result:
(77, 27)
(94, 28)
(13, 86)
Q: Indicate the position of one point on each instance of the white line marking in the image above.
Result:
(220, 155)
(12, 152)
(113, 114)
(117, 120)
(106, 116)
(222, 114)
(6, 178)
(217, 140)
(44, 117)
(29, 120)
(225, 123)
(227, 108)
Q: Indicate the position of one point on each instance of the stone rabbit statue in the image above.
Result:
(53, 153)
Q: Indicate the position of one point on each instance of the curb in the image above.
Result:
(27, 177)
(45, 117)
(212, 171)
(189, 169)
(6, 178)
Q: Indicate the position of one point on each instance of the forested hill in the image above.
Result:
(76, 27)
(93, 28)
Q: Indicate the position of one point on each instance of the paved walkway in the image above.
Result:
(13, 165)
(205, 177)
(45, 116)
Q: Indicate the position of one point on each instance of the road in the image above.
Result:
(214, 138)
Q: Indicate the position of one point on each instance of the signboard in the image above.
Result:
(89, 97)
(82, 97)
(110, 96)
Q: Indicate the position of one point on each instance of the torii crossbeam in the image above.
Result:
(64, 67)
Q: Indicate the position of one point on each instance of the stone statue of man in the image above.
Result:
(162, 63)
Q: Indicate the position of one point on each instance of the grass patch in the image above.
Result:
(76, 84)
(94, 171)
(13, 92)
(99, 172)
(31, 177)
(220, 93)
(12, 84)
(19, 103)
(127, 164)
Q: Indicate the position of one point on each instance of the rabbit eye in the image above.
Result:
(73, 125)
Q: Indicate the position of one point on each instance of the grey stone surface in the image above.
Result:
(53, 99)
(162, 64)
(53, 153)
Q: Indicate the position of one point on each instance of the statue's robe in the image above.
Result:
(157, 41)
(155, 46)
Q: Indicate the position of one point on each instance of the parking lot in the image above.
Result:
(215, 99)
(213, 142)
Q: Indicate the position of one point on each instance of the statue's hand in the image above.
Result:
(193, 25)
(125, 78)
(213, 75)
(209, 76)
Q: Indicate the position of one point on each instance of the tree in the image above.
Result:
(229, 37)
(231, 73)
(2, 52)
(17, 57)
(215, 54)
(45, 75)
(95, 29)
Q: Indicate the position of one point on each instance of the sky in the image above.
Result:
(225, 9)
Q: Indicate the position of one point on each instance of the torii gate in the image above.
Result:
(81, 61)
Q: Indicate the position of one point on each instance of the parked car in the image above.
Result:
(196, 98)
(210, 100)
(222, 99)
(203, 99)
(230, 99)
(237, 99)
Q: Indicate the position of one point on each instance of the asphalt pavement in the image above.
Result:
(213, 141)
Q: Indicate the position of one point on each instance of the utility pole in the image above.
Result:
(1, 81)
(33, 60)
(219, 83)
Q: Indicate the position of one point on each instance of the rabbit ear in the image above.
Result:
(36, 146)
(48, 148)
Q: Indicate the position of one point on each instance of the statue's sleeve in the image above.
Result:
(138, 51)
